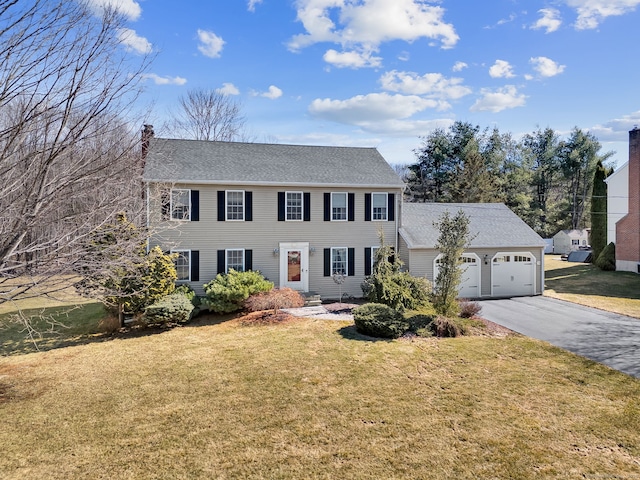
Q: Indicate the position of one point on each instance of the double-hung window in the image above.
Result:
(180, 204)
(379, 206)
(374, 251)
(183, 265)
(235, 204)
(294, 205)
(339, 260)
(234, 259)
(339, 206)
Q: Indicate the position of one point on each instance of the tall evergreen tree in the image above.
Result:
(598, 237)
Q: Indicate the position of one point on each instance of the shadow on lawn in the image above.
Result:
(587, 279)
(14, 339)
(350, 333)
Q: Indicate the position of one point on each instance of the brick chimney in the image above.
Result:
(628, 227)
(147, 133)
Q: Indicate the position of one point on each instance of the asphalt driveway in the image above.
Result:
(607, 338)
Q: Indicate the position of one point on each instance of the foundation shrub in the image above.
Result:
(227, 292)
(274, 300)
(607, 258)
(174, 308)
(379, 320)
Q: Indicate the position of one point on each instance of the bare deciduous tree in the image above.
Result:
(206, 114)
(68, 160)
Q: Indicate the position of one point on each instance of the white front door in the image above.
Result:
(294, 266)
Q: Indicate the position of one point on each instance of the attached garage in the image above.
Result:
(505, 257)
(513, 274)
(470, 285)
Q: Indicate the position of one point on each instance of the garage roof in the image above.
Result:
(492, 225)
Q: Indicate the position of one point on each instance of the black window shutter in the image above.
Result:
(327, 262)
(195, 205)
(165, 199)
(306, 203)
(248, 208)
(327, 207)
(391, 210)
(221, 261)
(195, 265)
(351, 262)
(351, 206)
(367, 207)
(367, 260)
(222, 207)
(248, 260)
(392, 257)
(281, 206)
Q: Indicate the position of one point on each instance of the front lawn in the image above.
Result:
(314, 399)
(586, 284)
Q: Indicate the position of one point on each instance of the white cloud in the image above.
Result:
(459, 66)
(129, 8)
(501, 69)
(364, 24)
(351, 59)
(434, 85)
(158, 80)
(616, 130)
(404, 56)
(211, 44)
(501, 99)
(228, 89)
(133, 42)
(273, 93)
(592, 12)
(373, 107)
(550, 20)
(546, 67)
(252, 5)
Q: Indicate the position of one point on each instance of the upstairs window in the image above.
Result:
(339, 206)
(294, 205)
(379, 206)
(235, 204)
(180, 204)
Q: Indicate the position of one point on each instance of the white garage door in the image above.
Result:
(513, 274)
(470, 284)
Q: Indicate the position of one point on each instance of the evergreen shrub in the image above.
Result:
(174, 308)
(607, 258)
(227, 292)
(379, 320)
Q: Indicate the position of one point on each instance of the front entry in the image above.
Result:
(294, 266)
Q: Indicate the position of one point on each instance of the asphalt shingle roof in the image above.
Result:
(198, 161)
(492, 224)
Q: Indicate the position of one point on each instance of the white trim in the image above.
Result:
(226, 258)
(373, 256)
(252, 183)
(226, 206)
(182, 250)
(284, 248)
(386, 207)
(346, 207)
(286, 206)
(534, 268)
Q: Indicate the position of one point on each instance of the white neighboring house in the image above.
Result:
(617, 199)
(567, 241)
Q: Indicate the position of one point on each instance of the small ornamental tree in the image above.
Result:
(453, 239)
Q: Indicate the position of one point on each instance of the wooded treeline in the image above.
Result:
(545, 180)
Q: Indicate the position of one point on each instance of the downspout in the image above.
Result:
(148, 221)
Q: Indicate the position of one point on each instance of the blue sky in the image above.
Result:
(382, 73)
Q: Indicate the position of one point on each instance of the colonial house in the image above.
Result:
(302, 214)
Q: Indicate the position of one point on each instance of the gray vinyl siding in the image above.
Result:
(264, 233)
(420, 263)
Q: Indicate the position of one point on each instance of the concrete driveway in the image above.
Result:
(607, 338)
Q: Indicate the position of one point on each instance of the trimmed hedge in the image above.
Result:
(378, 320)
(174, 308)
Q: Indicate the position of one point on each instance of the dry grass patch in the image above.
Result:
(586, 284)
(313, 399)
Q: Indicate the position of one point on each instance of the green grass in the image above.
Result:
(586, 284)
(314, 399)
(52, 327)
